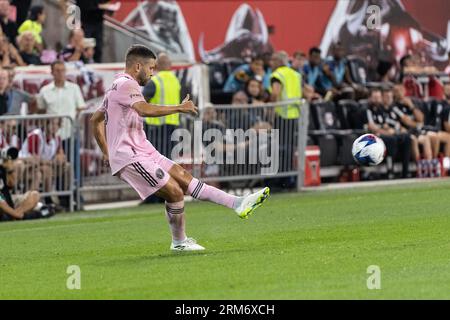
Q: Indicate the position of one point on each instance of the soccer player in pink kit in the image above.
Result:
(118, 129)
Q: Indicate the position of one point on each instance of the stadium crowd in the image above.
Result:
(35, 154)
(387, 101)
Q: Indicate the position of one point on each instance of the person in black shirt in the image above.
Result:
(412, 118)
(92, 22)
(26, 43)
(22, 7)
(8, 26)
(446, 112)
(380, 123)
(4, 81)
(24, 207)
(73, 51)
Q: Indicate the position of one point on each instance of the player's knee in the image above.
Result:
(176, 193)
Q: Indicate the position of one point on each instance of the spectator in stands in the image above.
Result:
(447, 69)
(16, 98)
(89, 45)
(298, 62)
(407, 64)
(446, 113)
(234, 117)
(210, 119)
(8, 135)
(73, 51)
(61, 97)
(8, 26)
(44, 144)
(34, 25)
(239, 98)
(337, 75)
(244, 118)
(92, 12)
(255, 92)
(237, 79)
(9, 55)
(22, 7)
(3, 94)
(27, 51)
(23, 207)
(403, 110)
(379, 123)
(313, 71)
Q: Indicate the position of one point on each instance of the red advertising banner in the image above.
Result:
(211, 30)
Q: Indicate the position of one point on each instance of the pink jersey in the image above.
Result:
(127, 142)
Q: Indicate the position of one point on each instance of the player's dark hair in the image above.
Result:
(314, 50)
(136, 52)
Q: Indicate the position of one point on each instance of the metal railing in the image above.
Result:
(45, 162)
(225, 143)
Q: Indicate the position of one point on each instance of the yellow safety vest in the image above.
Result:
(167, 93)
(291, 81)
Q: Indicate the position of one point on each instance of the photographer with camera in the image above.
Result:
(23, 207)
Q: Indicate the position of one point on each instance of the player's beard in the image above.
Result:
(142, 78)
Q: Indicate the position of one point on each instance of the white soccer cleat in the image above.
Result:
(251, 202)
(187, 245)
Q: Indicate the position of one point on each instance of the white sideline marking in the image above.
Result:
(362, 184)
(111, 205)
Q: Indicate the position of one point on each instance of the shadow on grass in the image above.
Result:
(166, 256)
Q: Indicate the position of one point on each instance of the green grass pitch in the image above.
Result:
(311, 245)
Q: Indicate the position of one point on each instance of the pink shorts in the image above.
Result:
(148, 175)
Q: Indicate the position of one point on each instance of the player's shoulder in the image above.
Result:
(125, 80)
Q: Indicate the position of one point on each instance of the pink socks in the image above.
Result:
(175, 217)
(202, 191)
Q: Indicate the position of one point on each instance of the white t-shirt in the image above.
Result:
(61, 101)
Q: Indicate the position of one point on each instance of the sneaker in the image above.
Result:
(187, 245)
(251, 202)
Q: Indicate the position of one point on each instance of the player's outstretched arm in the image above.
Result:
(98, 124)
(145, 109)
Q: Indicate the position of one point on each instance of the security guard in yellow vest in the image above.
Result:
(163, 89)
(286, 84)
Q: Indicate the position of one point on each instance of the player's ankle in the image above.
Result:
(177, 242)
(237, 202)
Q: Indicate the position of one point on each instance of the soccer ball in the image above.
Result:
(368, 150)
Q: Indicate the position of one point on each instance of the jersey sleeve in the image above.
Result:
(131, 93)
